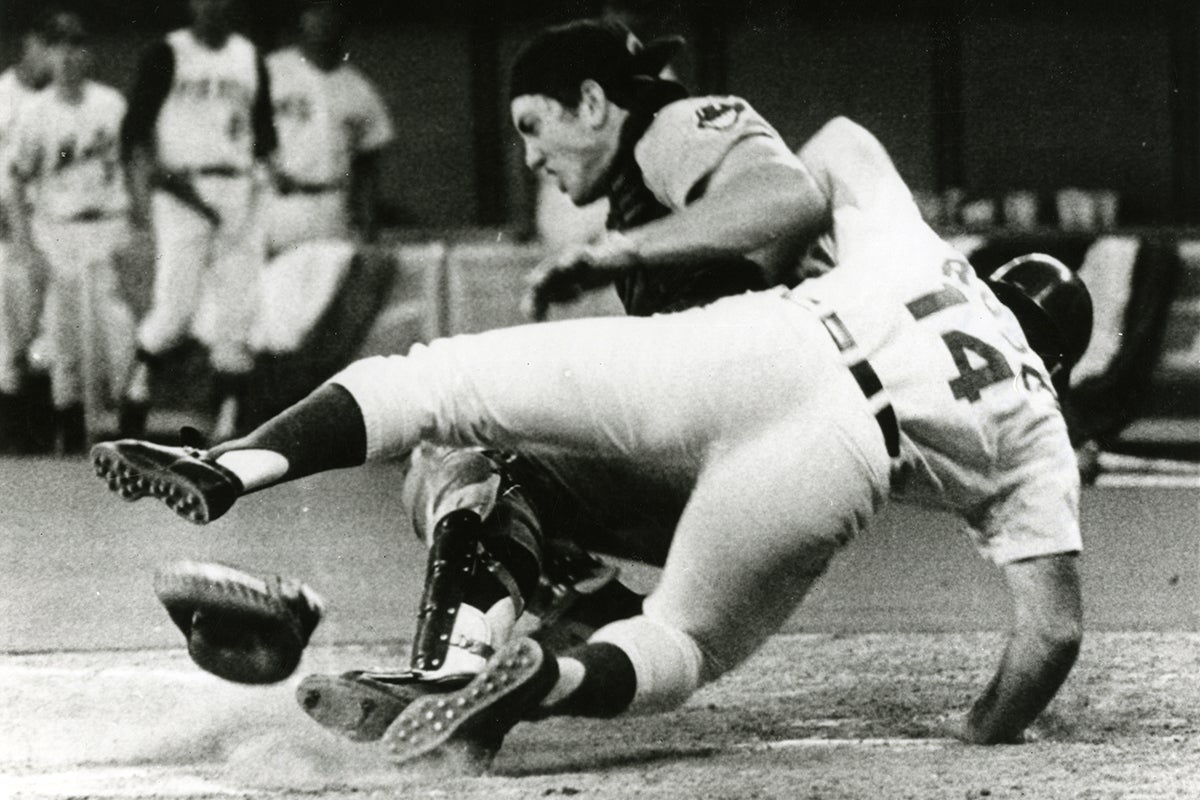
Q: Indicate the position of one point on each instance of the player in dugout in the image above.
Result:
(196, 143)
(69, 214)
(785, 417)
(24, 427)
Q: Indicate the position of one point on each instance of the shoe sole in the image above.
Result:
(432, 726)
(357, 708)
(134, 478)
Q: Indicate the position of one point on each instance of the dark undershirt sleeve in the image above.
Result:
(265, 138)
(152, 84)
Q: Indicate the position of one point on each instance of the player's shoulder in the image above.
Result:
(180, 37)
(702, 122)
(354, 79)
(284, 57)
(240, 40)
(709, 114)
(105, 95)
(37, 102)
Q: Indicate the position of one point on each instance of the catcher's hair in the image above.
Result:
(560, 58)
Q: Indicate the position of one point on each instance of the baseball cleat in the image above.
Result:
(469, 725)
(360, 705)
(184, 478)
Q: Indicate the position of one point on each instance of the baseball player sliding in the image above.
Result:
(69, 211)
(786, 417)
(195, 142)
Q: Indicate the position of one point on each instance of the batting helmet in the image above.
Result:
(1053, 306)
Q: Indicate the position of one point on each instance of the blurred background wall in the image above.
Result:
(986, 95)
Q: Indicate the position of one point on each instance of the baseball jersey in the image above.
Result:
(14, 95)
(687, 141)
(680, 147)
(69, 153)
(201, 108)
(979, 420)
(323, 119)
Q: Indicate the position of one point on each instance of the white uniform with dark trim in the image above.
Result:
(749, 403)
(206, 279)
(324, 120)
(67, 154)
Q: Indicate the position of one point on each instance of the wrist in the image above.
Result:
(620, 250)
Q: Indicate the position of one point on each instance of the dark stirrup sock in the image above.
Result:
(609, 682)
(611, 602)
(323, 431)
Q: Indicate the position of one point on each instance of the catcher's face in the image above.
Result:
(573, 148)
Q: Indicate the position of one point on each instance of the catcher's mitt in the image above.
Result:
(241, 627)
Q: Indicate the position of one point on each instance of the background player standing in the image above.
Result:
(195, 141)
(69, 210)
(333, 127)
(20, 288)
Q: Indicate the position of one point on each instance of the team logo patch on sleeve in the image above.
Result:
(719, 115)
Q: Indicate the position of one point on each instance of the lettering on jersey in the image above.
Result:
(1034, 380)
(68, 152)
(979, 364)
(101, 147)
(201, 89)
(295, 106)
(719, 115)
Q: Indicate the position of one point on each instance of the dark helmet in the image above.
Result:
(1053, 306)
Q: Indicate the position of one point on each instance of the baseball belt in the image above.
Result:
(217, 171)
(91, 215)
(868, 381)
(291, 187)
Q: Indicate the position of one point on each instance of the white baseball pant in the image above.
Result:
(206, 279)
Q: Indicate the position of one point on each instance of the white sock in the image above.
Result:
(254, 468)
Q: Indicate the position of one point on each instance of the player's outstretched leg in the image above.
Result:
(186, 479)
(471, 723)
(324, 431)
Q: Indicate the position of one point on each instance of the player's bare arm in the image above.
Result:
(139, 166)
(852, 167)
(20, 218)
(24, 170)
(365, 193)
(1041, 650)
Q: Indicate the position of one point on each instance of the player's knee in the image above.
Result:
(667, 662)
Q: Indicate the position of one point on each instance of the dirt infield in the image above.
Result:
(100, 700)
(813, 716)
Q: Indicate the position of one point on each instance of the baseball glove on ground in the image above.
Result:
(239, 626)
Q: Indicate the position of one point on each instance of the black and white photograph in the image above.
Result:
(663, 399)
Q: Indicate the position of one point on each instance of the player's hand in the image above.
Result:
(565, 277)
